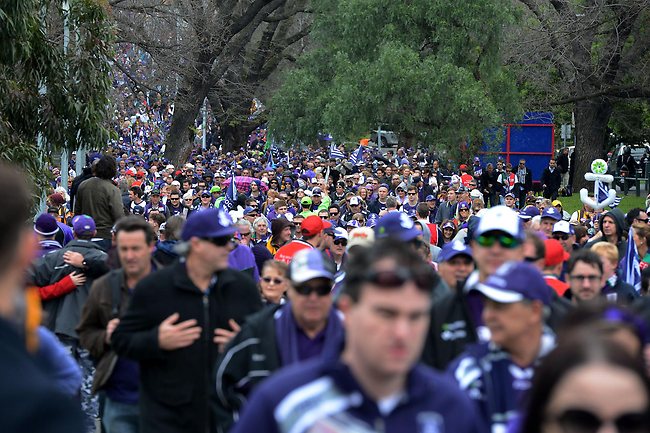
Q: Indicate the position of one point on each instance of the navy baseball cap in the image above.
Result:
(396, 225)
(208, 223)
(453, 249)
(429, 198)
(551, 212)
(463, 205)
(516, 282)
(528, 213)
(309, 264)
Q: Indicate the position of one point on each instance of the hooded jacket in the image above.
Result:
(619, 220)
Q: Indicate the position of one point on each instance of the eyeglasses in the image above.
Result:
(334, 213)
(505, 241)
(423, 277)
(360, 220)
(245, 234)
(174, 199)
(642, 220)
(220, 241)
(253, 215)
(276, 281)
(324, 217)
(463, 210)
(343, 242)
(585, 421)
(563, 237)
(321, 289)
(411, 193)
(590, 278)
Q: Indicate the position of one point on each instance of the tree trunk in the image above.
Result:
(180, 138)
(592, 117)
(236, 136)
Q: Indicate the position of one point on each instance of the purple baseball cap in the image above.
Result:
(83, 225)
(516, 282)
(396, 225)
(209, 223)
(453, 249)
(551, 212)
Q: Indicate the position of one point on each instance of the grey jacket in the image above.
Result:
(62, 314)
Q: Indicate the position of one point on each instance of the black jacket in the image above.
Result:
(29, 401)
(177, 386)
(251, 357)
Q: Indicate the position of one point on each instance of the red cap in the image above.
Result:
(555, 254)
(463, 167)
(313, 224)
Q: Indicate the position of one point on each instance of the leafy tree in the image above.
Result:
(61, 96)
(428, 69)
(589, 56)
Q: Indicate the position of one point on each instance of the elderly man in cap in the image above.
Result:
(178, 318)
(550, 216)
(497, 373)
(375, 382)
(301, 329)
(312, 233)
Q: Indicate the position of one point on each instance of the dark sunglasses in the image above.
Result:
(321, 289)
(343, 242)
(563, 237)
(411, 193)
(270, 280)
(505, 241)
(423, 277)
(584, 421)
(245, 234)
(643, 220)
(334, 213)
(220, 241)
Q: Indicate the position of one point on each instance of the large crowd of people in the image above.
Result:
(310, 290)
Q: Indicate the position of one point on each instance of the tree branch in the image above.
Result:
(615, 92)
(135, 80)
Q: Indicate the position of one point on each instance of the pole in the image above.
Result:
(204, 129)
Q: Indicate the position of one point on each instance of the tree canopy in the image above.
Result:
(428, 69)
(61, 96)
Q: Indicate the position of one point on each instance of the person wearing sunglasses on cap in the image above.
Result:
(176, 322)
(375, 383)
(456, 317)
(496, 374)
(280, 336)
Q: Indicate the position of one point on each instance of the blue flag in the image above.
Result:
(630, 270)
(270, 165)
(357, 157)
(230, 198)
(335, 153)
(603, 194)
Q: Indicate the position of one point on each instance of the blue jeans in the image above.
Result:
(120, 417)
(89, 402)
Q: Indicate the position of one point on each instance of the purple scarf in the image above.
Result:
(286, 333)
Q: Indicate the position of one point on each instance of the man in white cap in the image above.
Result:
(497, 239)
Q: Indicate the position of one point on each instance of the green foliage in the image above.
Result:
(64, 97)
(423, 68)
